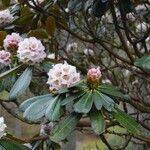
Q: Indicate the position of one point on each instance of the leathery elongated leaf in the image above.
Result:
(97, 100)
(126, 121)
(72, 97)
(112, 91)
(4, 74)
(84, 104)
(65, 127)
(97, 121)
(143, 62)
(10, 145)
(53, 112)
(107, 102)
(21, 84)
(29, 101)
(37, 109)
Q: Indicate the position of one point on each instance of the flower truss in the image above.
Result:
(62, 75)
(31, 51)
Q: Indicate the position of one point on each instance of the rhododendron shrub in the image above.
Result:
(75, 65)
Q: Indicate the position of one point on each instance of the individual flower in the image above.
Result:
(5, 58)
(51, 56)
(62, 75)
(88, 52)
(31, 51)
(5, 18)
(11, 41)
(72, 47)
(93, 77)
(2, 127)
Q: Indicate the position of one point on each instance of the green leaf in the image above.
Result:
(97, 100)
(107, 102)
(26, 16)
(4, 96)
(10, 145)
(47, 66)
(97, 122)
(112, 91)
(65, 127)
(2, 75)
(71, 97)
(53, 112)
(126, 121)
(37, 109)
(7, 82)
(30, 101)
(21, 84)
(143, 62)
(84, 104)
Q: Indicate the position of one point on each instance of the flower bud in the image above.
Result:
(93, 77)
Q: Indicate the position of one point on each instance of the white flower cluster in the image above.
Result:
(62, 75)
(31, 51)
(5, 58)
(5, 18)
(11, 41)
(2, 127)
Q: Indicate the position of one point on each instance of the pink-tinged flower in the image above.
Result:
(5, 18)
(2, 127)
(5, 58)
(62, 75)
(11, 41)
(31, 51)
(93, 77)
